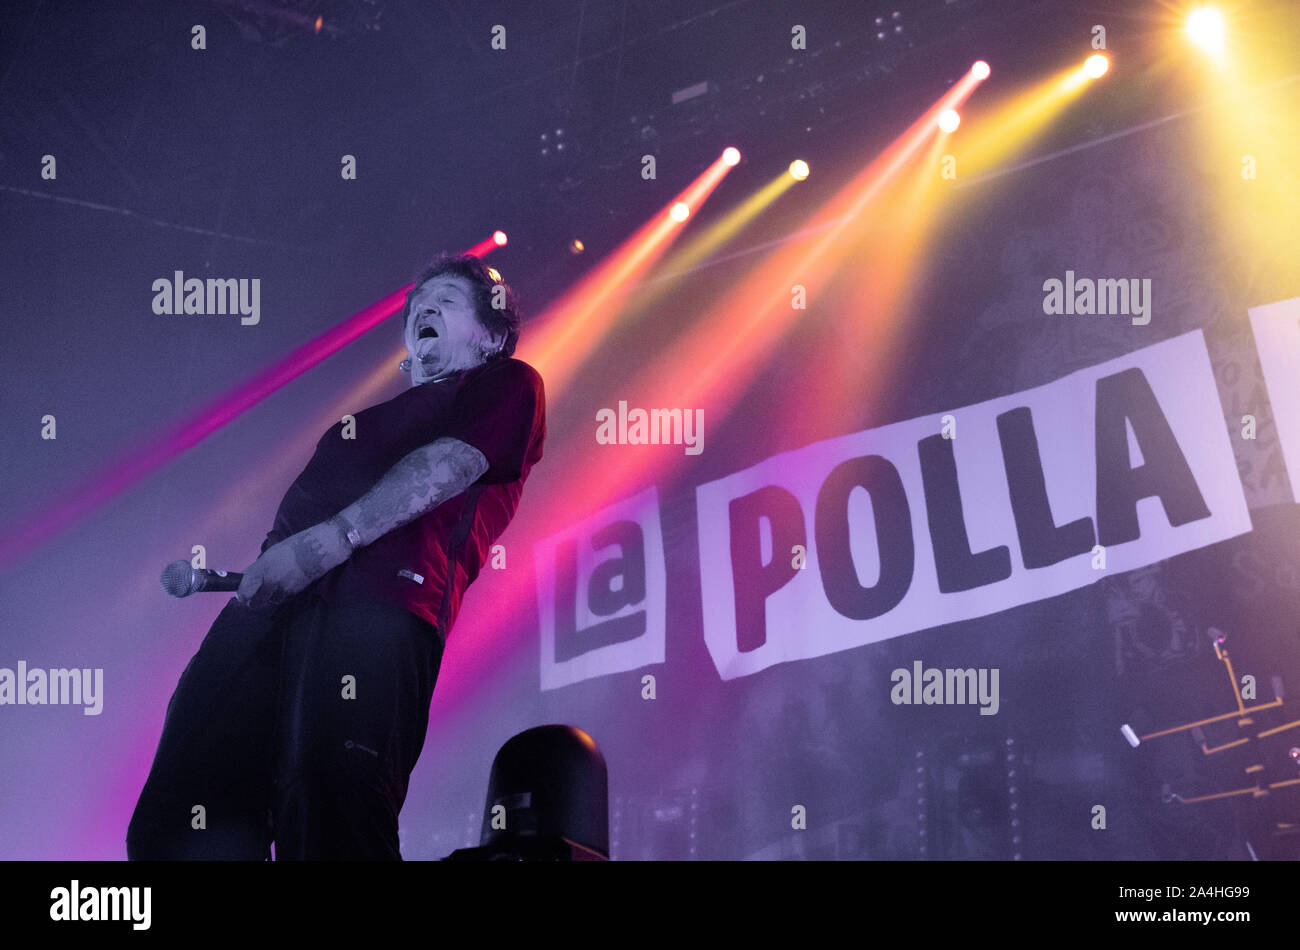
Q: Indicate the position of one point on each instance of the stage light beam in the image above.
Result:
(568, 330)
(489, 244)
(1095, 66)
(949, 120)
(1205, 28)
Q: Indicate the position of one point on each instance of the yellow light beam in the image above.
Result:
(1007, 126)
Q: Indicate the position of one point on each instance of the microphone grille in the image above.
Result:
(178, 578)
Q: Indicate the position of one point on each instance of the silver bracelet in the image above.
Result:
(353, 536)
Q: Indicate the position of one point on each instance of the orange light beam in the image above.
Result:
(711, 368)
(575, 324)
(890, 260)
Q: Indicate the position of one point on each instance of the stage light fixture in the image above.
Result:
(576, 246)
(1095, 66)
(499, 238)
(1205, 28)
(949, 120)
(731, 156)
(680, 211)
(798, 169)
(980, 70)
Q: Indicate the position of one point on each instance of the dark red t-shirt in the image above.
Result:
(500, 409)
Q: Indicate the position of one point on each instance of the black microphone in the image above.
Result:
(181, 578)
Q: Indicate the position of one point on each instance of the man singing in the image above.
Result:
(305, 709)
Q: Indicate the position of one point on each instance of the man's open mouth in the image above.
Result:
(427, 333)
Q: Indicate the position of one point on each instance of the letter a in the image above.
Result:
(1052, 303)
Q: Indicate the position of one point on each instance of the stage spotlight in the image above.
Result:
(576, 246)
(798, 169)
(949, 120)
(320, 21)
(1205, 28)
(680, 211)
(499, 238)
(1095, 66)
(547, 800)
(980, 70)
(731, 156)
(494, 274)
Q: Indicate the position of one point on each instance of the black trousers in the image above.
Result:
(298, 724)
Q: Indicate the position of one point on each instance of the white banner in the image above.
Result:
(601, 593)
(1277, 338)
(897, 529)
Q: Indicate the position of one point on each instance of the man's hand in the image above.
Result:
(287, 568)
(418, 483)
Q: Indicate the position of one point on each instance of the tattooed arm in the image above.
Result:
(417, 484)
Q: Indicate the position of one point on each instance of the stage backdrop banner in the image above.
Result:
(965, 513)
(602, 592)
(1277, 336)
(942, 518)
